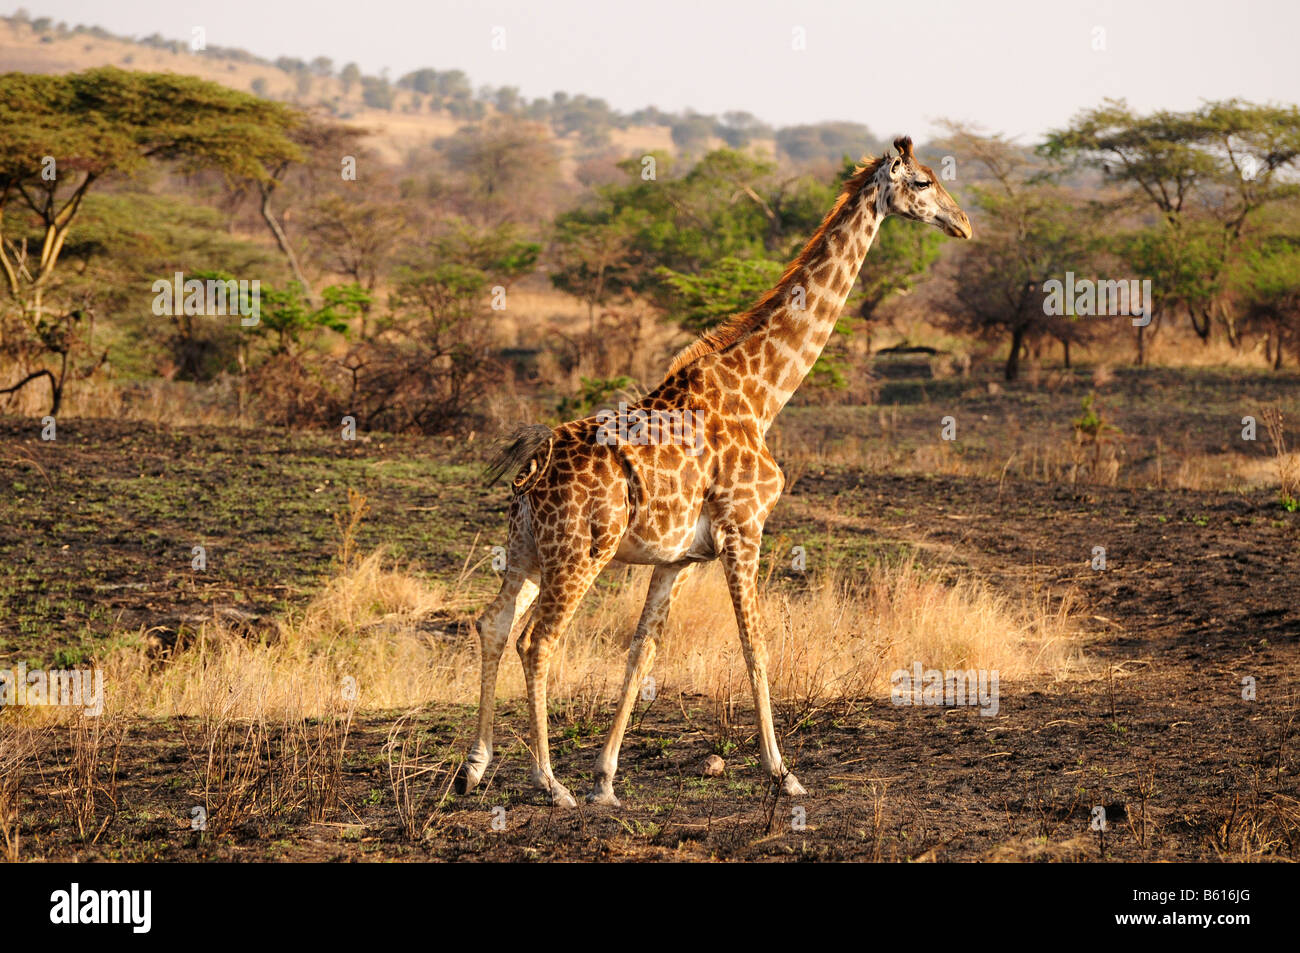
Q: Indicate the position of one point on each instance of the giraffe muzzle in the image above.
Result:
(957, 225)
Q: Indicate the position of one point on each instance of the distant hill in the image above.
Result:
(41, 46)
(422, 106)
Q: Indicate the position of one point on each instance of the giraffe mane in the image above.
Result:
(728, 333)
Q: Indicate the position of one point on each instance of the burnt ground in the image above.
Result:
(1201, 590)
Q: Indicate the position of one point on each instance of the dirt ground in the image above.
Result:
(1200, 591)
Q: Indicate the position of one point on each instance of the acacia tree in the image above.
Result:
(320, 150)
(1029, 232)
(1219, 164)
(1267, 289)
(61, 135)
(592, 261)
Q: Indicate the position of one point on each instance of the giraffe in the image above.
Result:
(581, 500)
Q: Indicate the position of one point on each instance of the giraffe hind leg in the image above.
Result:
(561, 591)
(518, 591)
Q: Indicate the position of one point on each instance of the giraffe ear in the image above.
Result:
(904, 146)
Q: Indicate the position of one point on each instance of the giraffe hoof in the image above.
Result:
(468, 777)
(472, 770)
(792, 787)
(556, 792)
(604, 798)
(560, 796)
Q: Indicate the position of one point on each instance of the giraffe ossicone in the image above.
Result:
(582, 500)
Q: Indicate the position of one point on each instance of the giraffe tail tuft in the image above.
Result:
(521, 451)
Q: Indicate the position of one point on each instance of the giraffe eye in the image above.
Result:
(922, 185)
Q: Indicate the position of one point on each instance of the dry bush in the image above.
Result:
(1256, 826)
(292, 391)
(227, 756)
(347, 526)
(842, 637)
(1099, 446)
(312, 753)
(369, 624)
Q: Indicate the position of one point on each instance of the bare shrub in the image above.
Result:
(227, 757)
(347, 526)
(291, 390)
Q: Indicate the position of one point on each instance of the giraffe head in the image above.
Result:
(913, 191)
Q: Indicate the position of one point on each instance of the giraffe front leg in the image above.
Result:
(740, 562)
(640, 656)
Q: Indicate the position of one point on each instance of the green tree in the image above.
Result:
(376, 92)
(827, 140)
(591, 260)
(1029, 232)
(1266, 286)
(1222, 163)
(60, 135)
(503, 170)
(349, 76)
(724, 288)
(691, 133)
(288, 317)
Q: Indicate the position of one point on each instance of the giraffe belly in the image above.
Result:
(692, 543)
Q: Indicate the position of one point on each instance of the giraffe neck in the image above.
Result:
(800, 313)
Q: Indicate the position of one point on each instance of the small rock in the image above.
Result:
(714, 766)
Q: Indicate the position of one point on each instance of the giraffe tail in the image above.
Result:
(527, 450)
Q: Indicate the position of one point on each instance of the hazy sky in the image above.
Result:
(1011, 66)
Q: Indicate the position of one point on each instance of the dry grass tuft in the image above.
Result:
(392, 638)
(1286, 463)
(20, 742)
(420, 784)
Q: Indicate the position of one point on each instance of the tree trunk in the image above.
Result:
(1013, 359)
(1201, 327)
(56, 388)
(282, 240)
